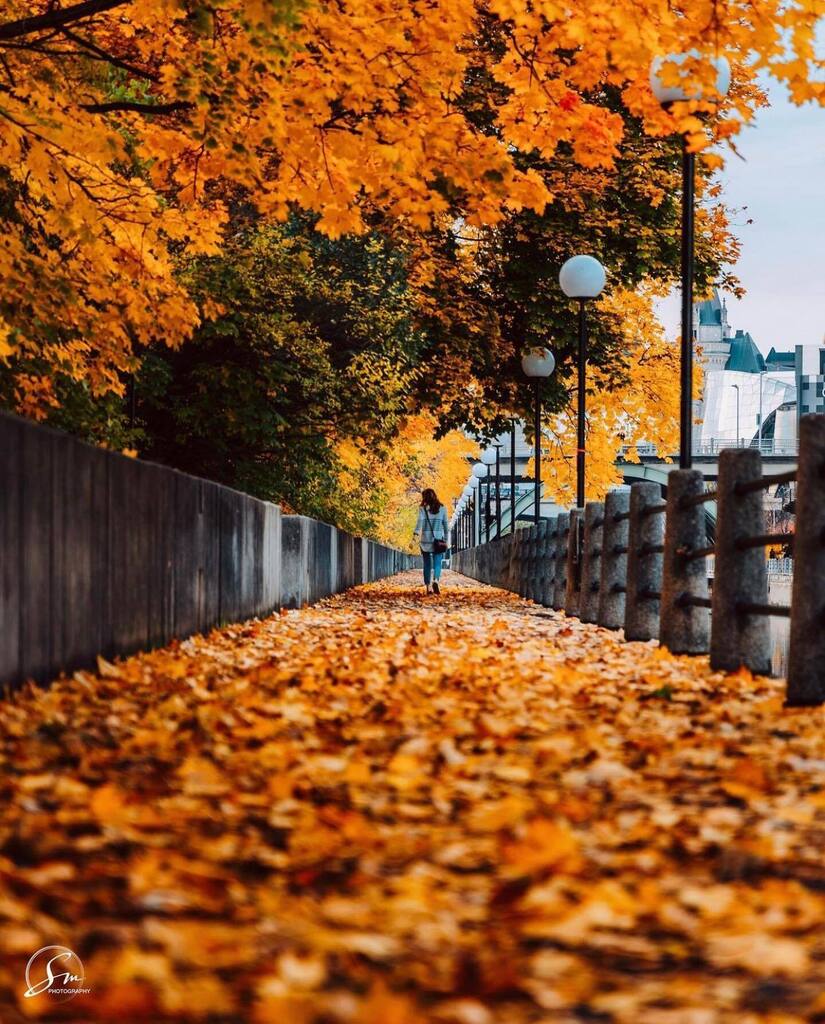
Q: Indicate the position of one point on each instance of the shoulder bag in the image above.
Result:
(439, 546)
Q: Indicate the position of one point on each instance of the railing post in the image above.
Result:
(502, 562)
(529, 563)
(534, 564)
(592, 561)
(806, 658)
(645, 546)
(507, 547)
(614, 558)
(684, 628)
(740, 576)
(512, 570)
(538, 561)
(548, 568)
(560, 562)
(572, 594)
(521, 561)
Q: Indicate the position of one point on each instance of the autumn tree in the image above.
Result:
(471, 136)
(123, 119)
(393, 476)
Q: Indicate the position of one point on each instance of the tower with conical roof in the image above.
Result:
(711, 332)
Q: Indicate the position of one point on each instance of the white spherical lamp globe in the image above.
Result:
(474, 482)
(582, 277)
(467, 491)
(479, 470)
(488, 456)
(682, 90)
(538, 362)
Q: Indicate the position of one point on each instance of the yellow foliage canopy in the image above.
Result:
(635, 401)
(127, 124)
(416, 460)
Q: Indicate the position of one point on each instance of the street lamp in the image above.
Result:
(513, 477)
(464, 506)
(475, 483)
(761, 381)
(736, 389)
(496, 446)
(479, 472)
(581, 278)
(488, 457)
(668, 94)
(498, 489)
(537, 363)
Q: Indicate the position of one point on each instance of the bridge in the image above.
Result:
(640, 463)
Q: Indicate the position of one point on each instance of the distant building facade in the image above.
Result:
(747, 396)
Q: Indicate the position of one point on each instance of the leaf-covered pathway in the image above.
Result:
(398, 809)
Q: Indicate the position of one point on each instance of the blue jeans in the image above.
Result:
(432, 565)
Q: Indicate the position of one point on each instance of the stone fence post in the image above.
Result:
(521, 560)
(548, 567)
(685, 620)
(738, 637)
(806, 662)
(502, 561)
(526, 557)
(509, 564)
(540, 562)
(614, 558)
(592, 561)
(512, 562)
(645, 546)
(560, 561)
(572, 594)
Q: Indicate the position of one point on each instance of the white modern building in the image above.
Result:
(748, 398)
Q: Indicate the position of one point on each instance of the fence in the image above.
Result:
(639, 563)
(768, 446)
(101, 554)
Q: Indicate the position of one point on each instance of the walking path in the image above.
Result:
(399, 809)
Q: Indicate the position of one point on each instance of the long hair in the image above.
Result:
(429, 500)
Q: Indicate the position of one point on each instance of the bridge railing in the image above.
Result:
(638, 563)
(787, 447)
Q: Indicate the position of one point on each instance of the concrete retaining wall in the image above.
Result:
(102, 554)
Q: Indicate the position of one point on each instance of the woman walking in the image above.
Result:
(432, 528)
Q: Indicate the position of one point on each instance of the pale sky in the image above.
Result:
(780, 183)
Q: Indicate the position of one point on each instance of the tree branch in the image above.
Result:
(138, 108)
(57, 17)
(87, 44)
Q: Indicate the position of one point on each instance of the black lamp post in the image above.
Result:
(668, 95)
(537, 364)
(513, 477)
(581, 278)
(472, 519)
(479, 472)
(489, 458)
(498, 490)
